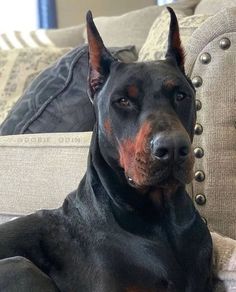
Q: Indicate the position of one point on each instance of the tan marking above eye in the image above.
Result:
(132, 90)
(107, 127)
(169, 84)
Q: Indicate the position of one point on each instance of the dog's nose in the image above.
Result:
(171, 147)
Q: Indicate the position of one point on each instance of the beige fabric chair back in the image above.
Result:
(211, 63)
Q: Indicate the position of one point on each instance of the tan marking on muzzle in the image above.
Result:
(169, 84)
(107, 127)
(135, 154)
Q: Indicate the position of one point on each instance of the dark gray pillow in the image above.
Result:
(57, 100)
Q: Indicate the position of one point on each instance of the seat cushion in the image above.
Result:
(57, 100)
(40, 170)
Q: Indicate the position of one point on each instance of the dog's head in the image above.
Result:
(145, 112)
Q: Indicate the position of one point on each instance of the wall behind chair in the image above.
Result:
(72, 12)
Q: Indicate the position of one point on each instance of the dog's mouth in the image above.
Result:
(162, 177)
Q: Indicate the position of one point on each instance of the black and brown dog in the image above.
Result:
(130, 226)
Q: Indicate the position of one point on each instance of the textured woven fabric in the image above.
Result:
(217, 117)
(61, 38)
(155, 45)
(18, 68)
(213, 6)
(56, 100)
(40, 170)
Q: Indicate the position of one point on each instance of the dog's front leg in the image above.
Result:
(24, 237)
(17, 274)
(22, 262)
(191, 241)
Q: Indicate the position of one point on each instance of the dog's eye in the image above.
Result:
(124, 102)
(180, 96)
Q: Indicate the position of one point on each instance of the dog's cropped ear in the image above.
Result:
(99, 58)
(175, 50)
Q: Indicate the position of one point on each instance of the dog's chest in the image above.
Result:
(119, 262)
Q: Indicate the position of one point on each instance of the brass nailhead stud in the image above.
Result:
(205, 58)
(197, 81)
(198, 105)
(225, 43)
(199, 176)
(198, 152)
(198, 129)
(200, 199)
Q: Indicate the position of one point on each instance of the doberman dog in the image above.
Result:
(130, 226)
